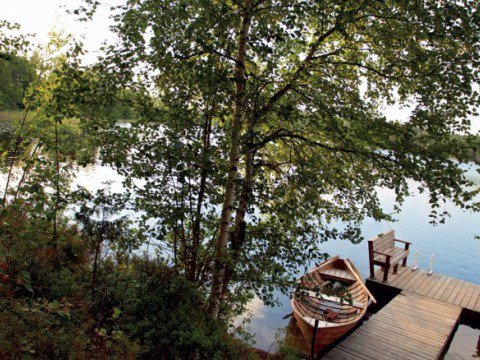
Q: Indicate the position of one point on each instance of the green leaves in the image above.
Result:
(116, 313)
(318, 75)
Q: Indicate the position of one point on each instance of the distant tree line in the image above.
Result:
(16, 73)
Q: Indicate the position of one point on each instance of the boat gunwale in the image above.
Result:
(354, 319)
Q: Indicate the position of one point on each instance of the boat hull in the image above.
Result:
(310, 307)
(325, 336)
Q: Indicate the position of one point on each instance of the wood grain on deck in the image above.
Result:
(436, 286)
(408, 327)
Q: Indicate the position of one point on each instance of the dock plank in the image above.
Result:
(461, 293)
(409, 343)
(427, 285)
(376, 336)
(403, 283)
(434, 283)
(435, 324)
(468, 294)
(474, 298)
(477, 305)
(449, 290)
(405, 273)
(431, 305)
(346, 354)
(409, 327)
(361, 348)
(442, 288)
(421, 314)
(436, 286)
(416, 281)
(456, 290)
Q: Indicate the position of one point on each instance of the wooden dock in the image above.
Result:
(417, 323)
(436, 286)
(419, 316)
(408, 327)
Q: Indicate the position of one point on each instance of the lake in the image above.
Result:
(457, 251)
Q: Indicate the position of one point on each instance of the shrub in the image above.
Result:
(138, 308)
(44, 312)
(35, 265)
(163, 311)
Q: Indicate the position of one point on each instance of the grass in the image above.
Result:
(8, 116)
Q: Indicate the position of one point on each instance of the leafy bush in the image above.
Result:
(43, 309)
(138, 308)
(55, 330)
(36, 265)
(163, 311)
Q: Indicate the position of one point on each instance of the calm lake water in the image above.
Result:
(457, 251)
(454, 244)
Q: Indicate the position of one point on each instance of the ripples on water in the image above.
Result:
(465, 344)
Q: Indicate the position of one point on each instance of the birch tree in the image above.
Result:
(262, 125)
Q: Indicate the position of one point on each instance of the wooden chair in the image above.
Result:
(383, 252)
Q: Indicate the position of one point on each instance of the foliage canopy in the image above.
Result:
(261, 124)
(285, 97)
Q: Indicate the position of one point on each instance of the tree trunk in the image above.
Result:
(234, 155)
(196, 231)
(57, 196)
(238, 236)
(95, 263)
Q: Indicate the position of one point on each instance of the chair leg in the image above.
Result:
(404, 262)
(395, 268)
(370, 260)
(385, 273)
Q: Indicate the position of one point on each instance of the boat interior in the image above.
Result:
(332, 293)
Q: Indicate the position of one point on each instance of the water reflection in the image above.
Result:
(457, 252)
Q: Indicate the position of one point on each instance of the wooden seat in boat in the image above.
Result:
(321, 323)
(337, 275)
(335, 299)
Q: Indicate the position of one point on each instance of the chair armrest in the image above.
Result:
(380, 253)
(403, 241)
(407, 243)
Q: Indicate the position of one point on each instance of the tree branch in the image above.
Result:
(281, 92)
(286, 134)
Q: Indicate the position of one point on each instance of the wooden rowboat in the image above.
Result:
(337, 313)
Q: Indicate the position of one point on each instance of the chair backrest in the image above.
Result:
(384, 241)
